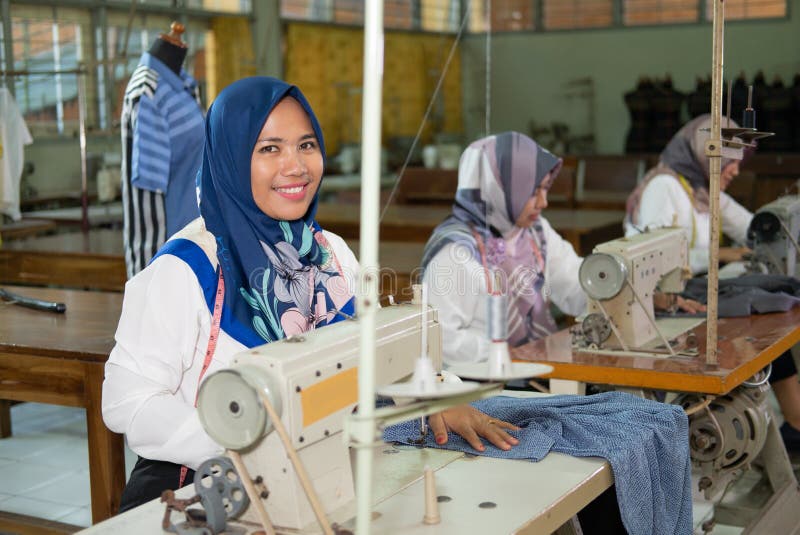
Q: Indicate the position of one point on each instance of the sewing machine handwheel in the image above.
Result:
(602, 276)
(596, 328)
(764, 228)
(230, 408)
(220, 487)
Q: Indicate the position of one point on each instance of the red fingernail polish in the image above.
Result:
(440, 440)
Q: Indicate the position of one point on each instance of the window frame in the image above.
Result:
(618, 20)
(93, 19)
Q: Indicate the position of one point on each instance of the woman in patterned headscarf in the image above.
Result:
(675, 192)
(496, 240)
(253, 269)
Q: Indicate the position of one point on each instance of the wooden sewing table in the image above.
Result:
(93, 259)
(746, 345)
(60, 359)
(99, 215)
(414, 223)
(25, 228)
(565, 486)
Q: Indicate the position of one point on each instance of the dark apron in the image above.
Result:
(149, 479)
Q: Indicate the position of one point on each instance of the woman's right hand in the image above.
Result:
(472, 424)
(732, 254)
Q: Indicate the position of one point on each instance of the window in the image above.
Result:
(512, 15)
(431, 15)
(440, 15)
(507, 15)
(230, 6)
(221, 6)
(749, 9)
(52, 46)
(399, 14)
(54, 41)
(644, 12)
(351, 11)
(568, 14)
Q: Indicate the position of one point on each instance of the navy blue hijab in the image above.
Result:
(280, 277)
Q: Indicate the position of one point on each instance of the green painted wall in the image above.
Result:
(529, 71)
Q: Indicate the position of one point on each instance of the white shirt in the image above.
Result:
(14, 135)
(457, 288)
(664, 199)
(151, 377)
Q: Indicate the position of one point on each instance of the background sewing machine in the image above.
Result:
(620, 278)
(773, 236)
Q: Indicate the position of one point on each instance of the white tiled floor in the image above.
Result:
(44, 467)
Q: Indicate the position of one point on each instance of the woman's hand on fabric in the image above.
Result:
(472, 424)
(674, 302)
(732, 254)
(690, 305)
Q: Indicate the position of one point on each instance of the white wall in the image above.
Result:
(57, 162)
(529, 70)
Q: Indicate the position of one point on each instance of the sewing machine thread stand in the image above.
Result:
(431, 502)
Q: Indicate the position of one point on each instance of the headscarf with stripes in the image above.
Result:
(684, 156)
(497, 176)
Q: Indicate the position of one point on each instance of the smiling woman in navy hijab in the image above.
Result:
(254, 268)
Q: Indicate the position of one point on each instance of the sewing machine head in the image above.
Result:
(773, 235)
(620, 277)
(312, 381)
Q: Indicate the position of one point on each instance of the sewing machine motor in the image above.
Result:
(726, 433)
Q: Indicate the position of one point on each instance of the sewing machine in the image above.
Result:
(312, 382)
(773, 236)
(620, 277)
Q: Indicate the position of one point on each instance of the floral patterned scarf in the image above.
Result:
(497, 175)
(281, 277)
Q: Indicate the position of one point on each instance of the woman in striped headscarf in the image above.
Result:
(675, 192)
(496, 240)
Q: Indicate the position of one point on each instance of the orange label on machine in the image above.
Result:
(329, 396)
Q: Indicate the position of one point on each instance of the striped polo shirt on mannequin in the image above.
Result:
(162, 140)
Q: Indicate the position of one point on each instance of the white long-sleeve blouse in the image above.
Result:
(457, 288)
(151, 377)
(664, 200)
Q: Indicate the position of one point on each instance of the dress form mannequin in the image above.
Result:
(162, 140)
(169, 48)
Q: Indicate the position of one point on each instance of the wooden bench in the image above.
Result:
(605, 181)
(92, 260)
(25, 228)
(420, 185)
(744, 189)
(562, 192)
(414, 223)
(399, 263)
(776, 174)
